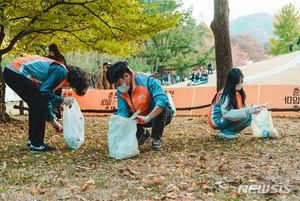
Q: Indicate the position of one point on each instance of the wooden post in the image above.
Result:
(21, 104)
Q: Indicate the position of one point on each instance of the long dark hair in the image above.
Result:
(57, 55)
(78, 80)
(233, 78)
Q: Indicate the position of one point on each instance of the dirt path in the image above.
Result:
(193, 166)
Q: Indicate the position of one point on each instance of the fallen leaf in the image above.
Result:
(131, 171)
(210, 194)
(155, 181)
(221, 168)
(82, 199)
(61, 182)
(205, 186)
(193, 155)
(34, 190)
(248, 166)
(202, 158)
(140, 188)
(172, 187)
(87, 185)
(168, 196)
(252, 180)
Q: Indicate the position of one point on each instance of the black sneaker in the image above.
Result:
(156, 145)
(144, 137)
(40, 149)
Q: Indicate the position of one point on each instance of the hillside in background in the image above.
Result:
(246, 48)
(259, 25)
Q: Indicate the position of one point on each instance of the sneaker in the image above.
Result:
(28, 143)
(227, 136)
(144, 137)
(156, 145)
(40, 149)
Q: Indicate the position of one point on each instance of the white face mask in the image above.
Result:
(239, 86)
(124, 88)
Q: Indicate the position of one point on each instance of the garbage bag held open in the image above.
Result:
(172, 104)
(73, 126)
(122, 142)
(262, 125)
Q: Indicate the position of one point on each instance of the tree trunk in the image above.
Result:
(4, 117)
(220, 28)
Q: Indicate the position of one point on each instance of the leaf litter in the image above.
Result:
(194, 165)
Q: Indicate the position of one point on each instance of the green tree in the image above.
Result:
(287, 27)
(105, 26)
(176, 48)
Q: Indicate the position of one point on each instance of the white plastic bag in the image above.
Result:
(262, 125)
(122, 142)
(73, 127)
(173, 108)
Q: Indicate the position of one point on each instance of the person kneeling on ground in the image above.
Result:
(228, 112)
(34, 79)
(140, 91)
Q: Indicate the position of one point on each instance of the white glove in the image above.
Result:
(143, 119)
(252, 110)
(68, 100)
